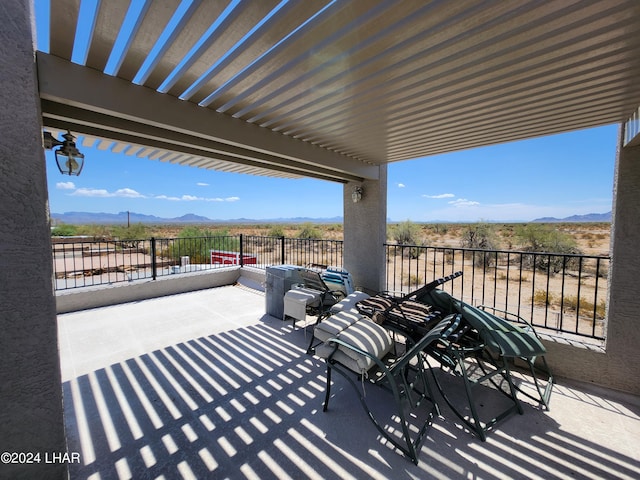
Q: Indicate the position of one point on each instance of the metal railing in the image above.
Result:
(84, 263)
(565, 293)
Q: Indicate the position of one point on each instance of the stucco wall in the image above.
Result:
(623, 314)
(30, 387)
(618, 364)
(365, 232)
(100, 296)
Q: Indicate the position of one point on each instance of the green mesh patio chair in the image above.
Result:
(494, 344)
(364, 354)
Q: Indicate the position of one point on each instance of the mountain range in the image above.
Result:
(589, 217)
(85, 218)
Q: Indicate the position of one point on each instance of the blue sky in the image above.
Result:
(559, 176)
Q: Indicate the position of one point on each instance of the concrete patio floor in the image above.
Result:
(206, 385)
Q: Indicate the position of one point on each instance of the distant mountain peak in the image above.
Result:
(589, 217)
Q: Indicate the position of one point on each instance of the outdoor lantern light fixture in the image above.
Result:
(69, 159)
(356, 196)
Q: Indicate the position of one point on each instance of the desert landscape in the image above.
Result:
(561, 290)
(592, 238)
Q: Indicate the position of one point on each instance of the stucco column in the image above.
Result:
(618, 364)
(623, 334)
(365, 231)
(31, 418)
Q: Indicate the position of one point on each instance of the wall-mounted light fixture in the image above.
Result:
(69, 159)
(357, 193)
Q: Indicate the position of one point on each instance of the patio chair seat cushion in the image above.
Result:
(348, 303)
(362, 334)
(332, 326)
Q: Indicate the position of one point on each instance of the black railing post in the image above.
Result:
(241, 250)
(154, 265)
(282, 250)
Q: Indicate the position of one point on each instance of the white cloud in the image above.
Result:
(65, 185)
(92, 192)
(202, 184)
(131, 193)
(166, 197)
(103, 193)
(193, 198)
(442, 195)
(128, 193)
(463, 202)
(401, 185)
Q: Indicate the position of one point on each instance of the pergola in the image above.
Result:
(328, 89)
(334, 89)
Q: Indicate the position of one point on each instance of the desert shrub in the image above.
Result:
(535, 237)
(308, 230)
(587, 308)
(405, 233)
(98, 232)
(542, 238)
(276, 231)
(480, 235)
(129, 236)
(437, 228)
(542, 297)
(570, 303)
(64, 230)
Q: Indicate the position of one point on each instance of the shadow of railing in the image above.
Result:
(247, 403)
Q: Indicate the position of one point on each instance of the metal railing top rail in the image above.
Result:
(513, 252)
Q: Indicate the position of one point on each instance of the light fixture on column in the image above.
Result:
(356, 196)
(69, 159)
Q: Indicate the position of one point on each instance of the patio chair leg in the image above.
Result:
(512, 388)
(328, 390)
(311, 347)
(543, 395)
